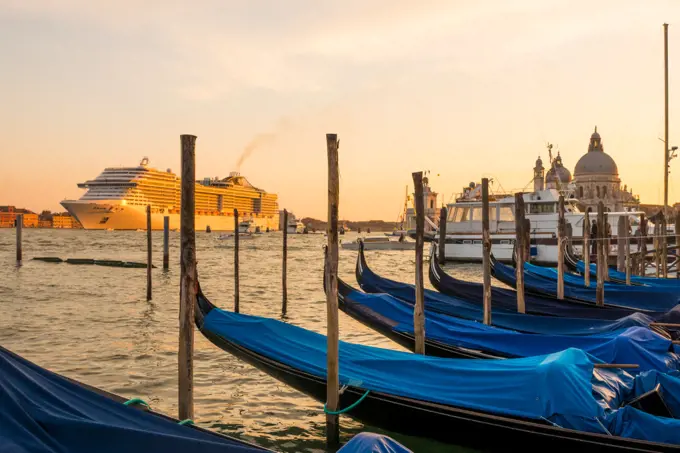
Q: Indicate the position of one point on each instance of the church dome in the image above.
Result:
(596, 161)
(558, 173)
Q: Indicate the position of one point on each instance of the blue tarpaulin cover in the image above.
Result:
(373, 443)
(560, 387)
(507, 319)
(637, 345)
(637, 297)
(671, 284)
(578, 280)
(42, 412)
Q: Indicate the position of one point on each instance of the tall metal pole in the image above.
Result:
(666, 145)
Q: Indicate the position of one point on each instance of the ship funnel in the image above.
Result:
(234, 174)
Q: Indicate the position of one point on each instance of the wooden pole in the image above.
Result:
(166, 243)
(419, 308)
(520, 251)
(188, 279)
(443, 214)
(486, 251)
(621, 234)
(599, 293)
(606, 246)
(627, 252)
(586, 248)
(284, 268)
(664, 246)
(657, 246)
(20, 226)
(677, 245)
(237, 234)
(642, 245)
(560, 248)
(149, 252)
(333, 381)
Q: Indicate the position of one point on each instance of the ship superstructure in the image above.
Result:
(118, 197)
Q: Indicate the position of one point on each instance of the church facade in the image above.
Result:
(596, 178)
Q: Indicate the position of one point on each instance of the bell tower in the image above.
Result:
(539, 173)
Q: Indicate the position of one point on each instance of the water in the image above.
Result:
(93, 324)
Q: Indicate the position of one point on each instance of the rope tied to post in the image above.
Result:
(188, 421)
(348, 408)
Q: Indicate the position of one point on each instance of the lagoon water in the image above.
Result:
(93, 324)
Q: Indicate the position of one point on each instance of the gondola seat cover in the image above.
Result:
(42, 412)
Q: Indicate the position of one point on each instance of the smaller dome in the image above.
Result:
(558, 173)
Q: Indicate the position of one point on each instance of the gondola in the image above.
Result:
(448, 336)
(43, 412)
(577, 280)
(577, 265)
(507, 298)
(635, 297)
(370, 282)
(552, 403)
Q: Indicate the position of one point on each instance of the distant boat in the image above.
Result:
(379, 243)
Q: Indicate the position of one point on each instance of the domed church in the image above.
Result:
(596, 178)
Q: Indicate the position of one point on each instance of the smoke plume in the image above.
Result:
(261, 140)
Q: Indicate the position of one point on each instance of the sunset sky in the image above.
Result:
(465, 89)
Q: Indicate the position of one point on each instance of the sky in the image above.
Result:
(463, 89)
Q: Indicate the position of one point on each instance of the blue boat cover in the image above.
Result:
(578, 280)
(373, 443)
(560, 387)
(507, 319)
(43, 412)
(637, 345)
(637, 297)
(621, 276)
(507, 298)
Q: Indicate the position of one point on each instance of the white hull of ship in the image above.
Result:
(468, 248)
(115, 216)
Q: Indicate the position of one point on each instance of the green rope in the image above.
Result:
(188, 421)
(348, 408)
(136, 401)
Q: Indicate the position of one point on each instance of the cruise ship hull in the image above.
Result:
(113, 215)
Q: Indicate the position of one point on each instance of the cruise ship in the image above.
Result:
(118, 197)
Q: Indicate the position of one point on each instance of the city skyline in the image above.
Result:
(458, 88)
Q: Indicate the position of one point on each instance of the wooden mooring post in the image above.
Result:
(642, 245)
(606, 245)
(601, 259)
(486, 251)
(629, 263)
(443, 214)
(586, 248)
(166, 243)
(677, 245)
(237, 307)
(332, 334)
(149, 253)
(19, 229)
(284, 266)
(621, 234)
(419, 308)
(188, 279)
(520, 251)
(560, 248)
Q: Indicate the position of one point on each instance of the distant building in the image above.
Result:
(8, 217)
(45, 219)
(431, 209)
(596, 178)
(64, 220)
